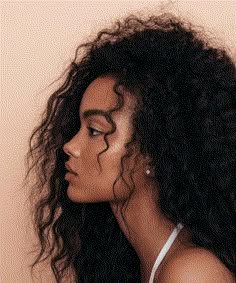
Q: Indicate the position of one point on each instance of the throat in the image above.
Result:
(147, 230)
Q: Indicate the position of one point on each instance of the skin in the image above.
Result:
(93, 184)
(149, 229)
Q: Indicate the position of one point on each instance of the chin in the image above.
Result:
(81, 196)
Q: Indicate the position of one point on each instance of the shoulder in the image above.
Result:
(193, 265)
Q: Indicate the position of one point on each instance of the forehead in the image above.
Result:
(100, 95)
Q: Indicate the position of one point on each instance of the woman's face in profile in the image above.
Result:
(92, 183)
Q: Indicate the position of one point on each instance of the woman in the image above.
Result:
(135, 158)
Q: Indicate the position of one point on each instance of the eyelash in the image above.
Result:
(91, 130)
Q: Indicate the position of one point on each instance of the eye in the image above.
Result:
(93, 132)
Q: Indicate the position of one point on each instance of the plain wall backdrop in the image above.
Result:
(38, 40)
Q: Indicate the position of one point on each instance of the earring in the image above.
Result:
(148, 171)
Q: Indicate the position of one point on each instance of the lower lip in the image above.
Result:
(70, 176)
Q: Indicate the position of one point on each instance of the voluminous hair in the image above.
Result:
(186, 122)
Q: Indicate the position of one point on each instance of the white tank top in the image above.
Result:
(164, 250)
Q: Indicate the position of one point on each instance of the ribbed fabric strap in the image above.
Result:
(165, 249)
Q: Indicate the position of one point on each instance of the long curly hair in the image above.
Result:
(186, 122)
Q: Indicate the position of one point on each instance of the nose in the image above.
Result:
(71, 148)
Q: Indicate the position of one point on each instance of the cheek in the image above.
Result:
(110, 160)
(90, 165)
(112, 157)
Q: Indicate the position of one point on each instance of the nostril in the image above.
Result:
(71, 150)
(77, 153)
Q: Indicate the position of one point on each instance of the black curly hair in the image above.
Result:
(187, 88)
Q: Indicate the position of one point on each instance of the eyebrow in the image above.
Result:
(92, 112)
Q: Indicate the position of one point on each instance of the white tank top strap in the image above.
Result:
(165, 249)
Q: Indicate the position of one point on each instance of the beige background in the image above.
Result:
(38, 39)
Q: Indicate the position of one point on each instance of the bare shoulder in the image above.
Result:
(194, 265)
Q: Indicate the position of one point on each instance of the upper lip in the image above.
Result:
(70, 169)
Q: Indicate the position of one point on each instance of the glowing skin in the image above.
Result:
(93, 184)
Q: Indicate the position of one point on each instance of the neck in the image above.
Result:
(148, 229)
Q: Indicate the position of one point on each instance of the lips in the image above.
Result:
(70, 169)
